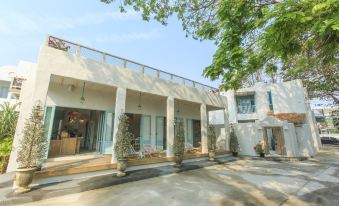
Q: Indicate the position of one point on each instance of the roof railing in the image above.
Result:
(80, 50)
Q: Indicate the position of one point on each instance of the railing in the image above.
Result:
(80, 50)
(16, 84)
(246, 109)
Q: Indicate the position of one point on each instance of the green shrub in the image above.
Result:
(234, 144)
(8, 121)
(33, 146)
(211, 138)
(179, 139)
(123, 138)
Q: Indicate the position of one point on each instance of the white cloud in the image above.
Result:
(133, 36)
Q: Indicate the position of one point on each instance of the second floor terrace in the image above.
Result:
(84, 51)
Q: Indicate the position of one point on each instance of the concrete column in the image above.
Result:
(227, 129)
(34, 90)
(203, 120)
(170, 127)
(120, 104)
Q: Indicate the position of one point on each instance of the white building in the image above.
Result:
(84, 91)
(9, 92)
(277, 114)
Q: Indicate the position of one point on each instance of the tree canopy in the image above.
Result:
(289, 38)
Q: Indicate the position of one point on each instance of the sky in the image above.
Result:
(24, 26)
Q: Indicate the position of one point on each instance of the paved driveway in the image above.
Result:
(245, 182)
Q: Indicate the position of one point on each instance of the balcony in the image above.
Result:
(246, 109)
(83, 51)
(16, 84)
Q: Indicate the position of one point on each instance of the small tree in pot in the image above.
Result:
(212, 142)
(260, 148)
(179, 144)
(234, 144)
(121, 147)
(32, 149)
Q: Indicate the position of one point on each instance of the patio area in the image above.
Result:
(92, 162)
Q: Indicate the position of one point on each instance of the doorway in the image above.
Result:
(274, 141)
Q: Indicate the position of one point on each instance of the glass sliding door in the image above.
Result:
(189, 131)
(145, 130)
(48, 125)
(160, 133)
(108, 133)
(100, 132)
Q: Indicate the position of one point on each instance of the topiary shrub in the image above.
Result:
(33, 145)
(179, 144)
(234, 144)
(122, 144)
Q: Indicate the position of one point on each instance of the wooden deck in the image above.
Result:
(92, 163)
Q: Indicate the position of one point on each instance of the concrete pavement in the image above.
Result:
(244, 182)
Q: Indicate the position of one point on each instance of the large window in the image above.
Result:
(270, 102)
(3, 92)
(245, 104)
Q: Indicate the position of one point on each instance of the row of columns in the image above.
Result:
(120, 109)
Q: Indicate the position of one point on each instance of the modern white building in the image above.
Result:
(84, 91)
(277, 114)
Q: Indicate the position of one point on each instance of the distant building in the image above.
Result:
(278, 114)
(11, 78)
(327, 119)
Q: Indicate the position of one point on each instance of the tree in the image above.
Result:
(33, 145)
(8, 120)
(300, 38)
(123, 138)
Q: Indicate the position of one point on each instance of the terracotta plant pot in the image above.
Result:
(262, 154)
(121, 167)
(235, 154)
(178, 157)
(211, 155)
(23, 178)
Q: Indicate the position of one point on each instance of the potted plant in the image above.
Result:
(260, 148)
(179, 144)
(211, 140)
(121, 147)
(32, 149)
(234, 144)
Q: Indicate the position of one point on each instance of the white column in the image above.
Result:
(120, 104)
(33, 90)
(203, 120)
(170, 127)
(227, 129)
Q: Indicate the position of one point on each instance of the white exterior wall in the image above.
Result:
(55, 63)
(287, 97)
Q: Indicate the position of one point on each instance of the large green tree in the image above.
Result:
(292, 38)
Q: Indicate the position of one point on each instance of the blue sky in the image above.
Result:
(25, 24)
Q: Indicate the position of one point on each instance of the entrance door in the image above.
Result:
(100, 132)
(274, 141)
(145, 131)
(160, 133)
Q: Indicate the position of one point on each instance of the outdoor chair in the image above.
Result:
(189, 148)
(150, 150)
(132, 152)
